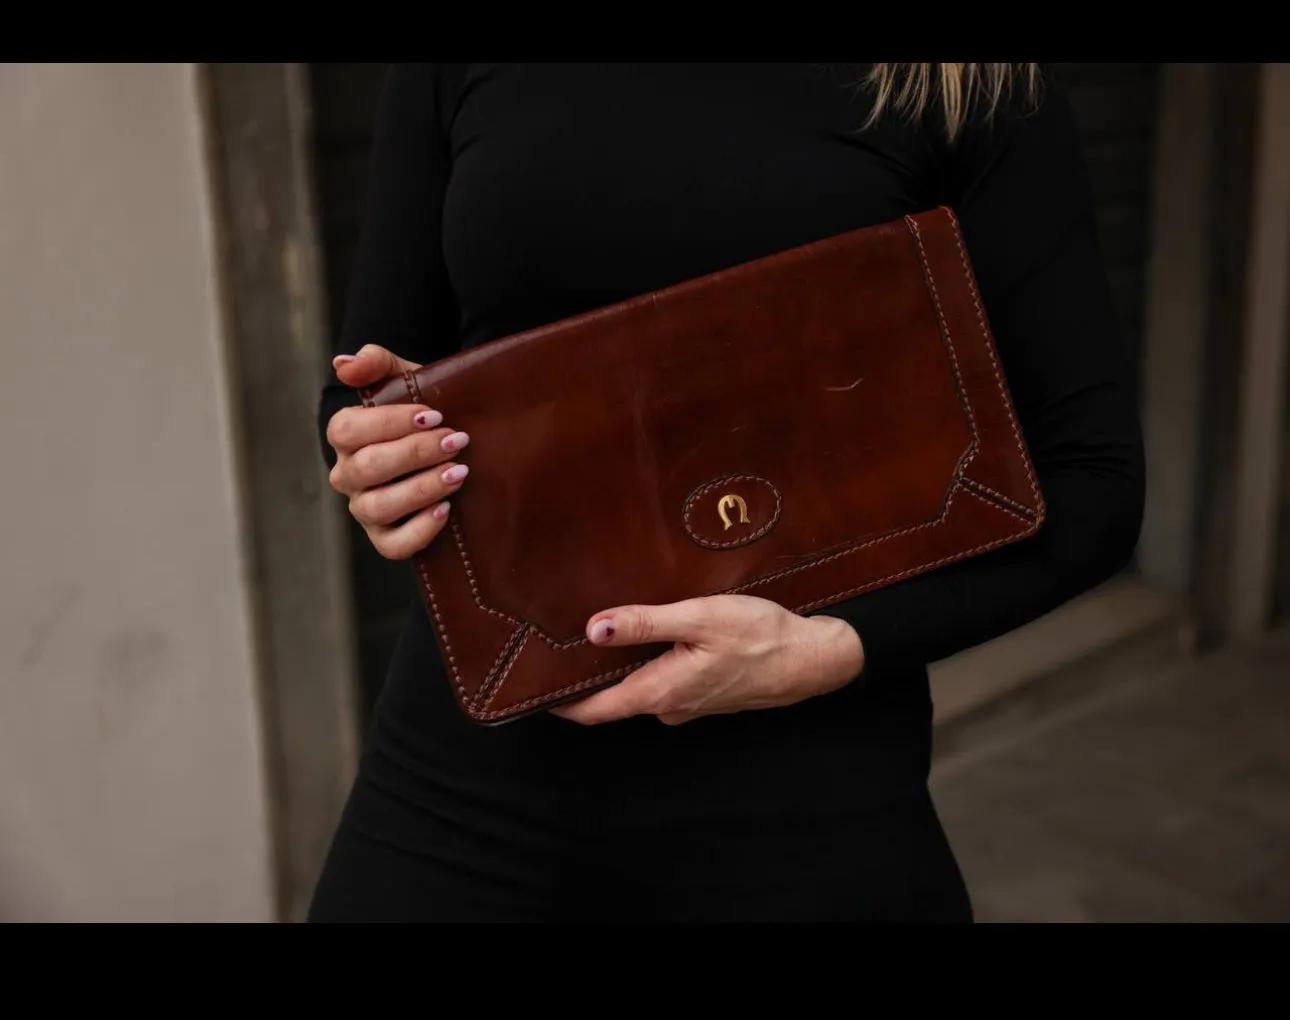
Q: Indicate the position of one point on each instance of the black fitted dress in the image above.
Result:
(507, 196)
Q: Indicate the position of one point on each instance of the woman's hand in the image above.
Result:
(394, 463)
(732, 653)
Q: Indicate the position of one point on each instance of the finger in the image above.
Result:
(413, 535)
(370, 365)
(640, 693)
(383, 462)
(352, 428)
(689, 621)
(387, 504)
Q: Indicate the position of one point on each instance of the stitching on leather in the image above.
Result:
(504, 657)
(949, 341)
(474, 586)
(565, 691)
(924, 568)
(890, 536)
(827, 600)
(488, 693)
(411, 387)
(447, 644)
(999, 497)
(491, 677)
(970, 488)
(479, 599)
(718, 483)
(994, 361)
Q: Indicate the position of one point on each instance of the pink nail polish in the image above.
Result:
(455, 474)
(455, 441)
(342, 359)
(440, 512)
(428, 419)
(601, 631)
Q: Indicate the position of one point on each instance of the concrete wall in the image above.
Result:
(131, 766)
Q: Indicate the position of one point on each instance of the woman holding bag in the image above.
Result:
(771, 766)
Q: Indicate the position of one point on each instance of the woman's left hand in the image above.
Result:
(731, 653)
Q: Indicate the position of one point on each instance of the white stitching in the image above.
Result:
(443, 632)
(889, 537)
(479, 599)
(482, 706)
(924, 568)
(972, 483)
(470, 577)
(414, 393)
(949, 340)
(970, 488)
(573, 688)
(989, 347)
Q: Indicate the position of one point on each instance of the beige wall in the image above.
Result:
(130, 755)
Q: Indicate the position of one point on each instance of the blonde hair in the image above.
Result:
(956, 89)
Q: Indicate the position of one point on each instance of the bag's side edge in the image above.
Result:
(1037, 507)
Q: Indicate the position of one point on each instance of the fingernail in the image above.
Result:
(455, 441)
(601, 631)
(440, 512)
(428, 419)
(455, 474)
(342, 359)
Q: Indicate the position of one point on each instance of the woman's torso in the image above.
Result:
(574, 186)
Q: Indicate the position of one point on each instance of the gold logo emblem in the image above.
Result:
(729, 502)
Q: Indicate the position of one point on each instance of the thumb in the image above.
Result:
(370, 365)
(690, 621)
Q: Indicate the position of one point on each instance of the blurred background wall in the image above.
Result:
(132, 776)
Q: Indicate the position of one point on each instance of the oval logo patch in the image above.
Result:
(731, 511)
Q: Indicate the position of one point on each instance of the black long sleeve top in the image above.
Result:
(506, 196)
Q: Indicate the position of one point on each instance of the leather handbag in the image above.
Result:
(806, 427)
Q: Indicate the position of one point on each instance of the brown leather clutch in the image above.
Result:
(805, 427)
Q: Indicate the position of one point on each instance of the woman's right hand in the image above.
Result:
(394, 463)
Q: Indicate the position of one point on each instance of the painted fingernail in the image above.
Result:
(455, 474)
(601, 631)
(428, 419)
(456, 441)
(342, 359)
(440, 512)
